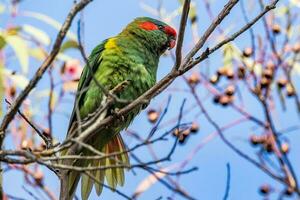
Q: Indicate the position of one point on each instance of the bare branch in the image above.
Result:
(169, 78)
(183, 21)
(39, 73)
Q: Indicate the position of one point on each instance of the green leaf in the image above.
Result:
(68, 45)
(38, 34)
(50, 21)
(20, 48)
(2, 41)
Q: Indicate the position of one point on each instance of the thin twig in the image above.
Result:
(169, 78)
(227, 182)
(184, 17)
(224, 12)
(41, 70)
(44, 136)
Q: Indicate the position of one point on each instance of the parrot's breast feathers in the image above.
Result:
(111, 44)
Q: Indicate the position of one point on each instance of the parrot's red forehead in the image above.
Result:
(150, 26)
(170, 31)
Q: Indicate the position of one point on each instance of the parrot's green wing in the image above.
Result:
(131, 56)
(114, 176)
(85, 79)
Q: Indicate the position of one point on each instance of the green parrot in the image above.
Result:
(131, 56)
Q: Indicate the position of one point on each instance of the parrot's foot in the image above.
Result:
(117, 90)
(115, 113)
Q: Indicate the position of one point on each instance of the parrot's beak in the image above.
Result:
(171, 35)
(172, 43)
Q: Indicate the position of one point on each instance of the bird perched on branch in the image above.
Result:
(131, 57)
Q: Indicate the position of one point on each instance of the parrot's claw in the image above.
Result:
(114, 112)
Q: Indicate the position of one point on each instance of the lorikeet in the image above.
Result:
(132, 56)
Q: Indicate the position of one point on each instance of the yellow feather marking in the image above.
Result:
(111, 44)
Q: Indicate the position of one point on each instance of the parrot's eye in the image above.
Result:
(160, 27)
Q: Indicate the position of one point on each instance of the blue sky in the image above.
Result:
(104, 19)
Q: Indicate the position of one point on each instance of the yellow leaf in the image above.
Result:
(50, 21)
(37, 53)
(13, 30)
(20, 48)
(70, 86)
(38, 34)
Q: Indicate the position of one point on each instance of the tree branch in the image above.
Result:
(41, 70)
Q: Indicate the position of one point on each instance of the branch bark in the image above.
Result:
(187, 64)
(41, 70)
(179, 68)
(38, 75)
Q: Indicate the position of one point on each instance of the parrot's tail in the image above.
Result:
(114, 175)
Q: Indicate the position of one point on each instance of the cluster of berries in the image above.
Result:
(184, 133)
(267, 143)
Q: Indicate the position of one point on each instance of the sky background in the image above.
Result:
(103, 19)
